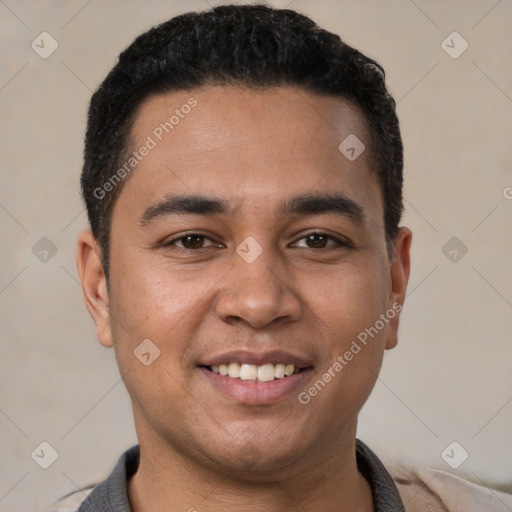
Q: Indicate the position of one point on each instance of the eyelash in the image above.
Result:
(338, 242)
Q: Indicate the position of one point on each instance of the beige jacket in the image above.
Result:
(432, 490)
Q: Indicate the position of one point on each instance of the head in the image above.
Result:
(231, 223)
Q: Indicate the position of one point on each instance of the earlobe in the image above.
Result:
(399, 269)
(94, 285)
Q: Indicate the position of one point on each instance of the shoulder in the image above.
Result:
(433, 490)
(72, 502)
(109, 494)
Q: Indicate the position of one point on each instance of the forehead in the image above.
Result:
(223, 114)
(250, 144)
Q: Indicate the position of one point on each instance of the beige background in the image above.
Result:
(450, 377)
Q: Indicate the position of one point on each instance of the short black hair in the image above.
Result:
(253, 46)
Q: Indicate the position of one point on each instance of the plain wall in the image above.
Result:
(448, 380)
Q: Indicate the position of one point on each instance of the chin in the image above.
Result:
(255, 461)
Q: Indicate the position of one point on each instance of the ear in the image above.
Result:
(94, 285)
(399, 270)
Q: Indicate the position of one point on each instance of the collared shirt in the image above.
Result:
(408, 490)
(111, 495)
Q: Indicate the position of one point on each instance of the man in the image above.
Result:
(243, 180)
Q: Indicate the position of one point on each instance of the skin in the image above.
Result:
(255, 149)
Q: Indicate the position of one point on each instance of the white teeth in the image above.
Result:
(248, 372)
(266, 373)
(280, 369)
(263, 373)
(234, 370)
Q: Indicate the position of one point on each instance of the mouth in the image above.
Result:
(251, 378)
(255, 373)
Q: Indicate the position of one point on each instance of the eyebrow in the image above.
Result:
(304, 204)
(307, 204)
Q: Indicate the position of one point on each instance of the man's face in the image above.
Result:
(261, 277)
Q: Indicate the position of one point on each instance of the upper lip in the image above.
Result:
(258, 358)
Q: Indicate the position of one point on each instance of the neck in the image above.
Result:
(168, 481)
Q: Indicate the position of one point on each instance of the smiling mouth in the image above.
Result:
(256, 373)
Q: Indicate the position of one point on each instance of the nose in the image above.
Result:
(257, 294)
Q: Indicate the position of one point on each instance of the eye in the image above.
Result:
(191, 241)
(320, 241)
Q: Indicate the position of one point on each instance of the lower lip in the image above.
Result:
(256, 392)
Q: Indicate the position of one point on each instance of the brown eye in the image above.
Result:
(192, 241)
(320, 241)
(317, 240)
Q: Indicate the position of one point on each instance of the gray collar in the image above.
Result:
(111, 495)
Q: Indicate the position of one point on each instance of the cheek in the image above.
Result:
(350, 299)
(160, 303)
(348, 312)
(156, 300)
(152, 321)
